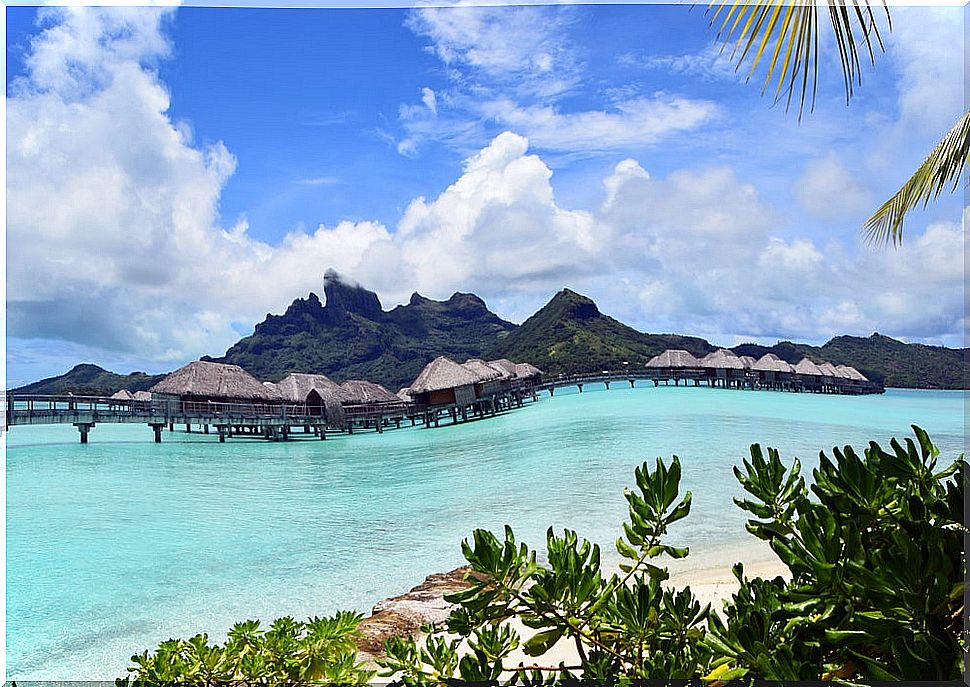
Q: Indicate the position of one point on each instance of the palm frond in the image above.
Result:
(789, 29)
(942, 168)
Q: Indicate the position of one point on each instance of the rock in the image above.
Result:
(405, 615)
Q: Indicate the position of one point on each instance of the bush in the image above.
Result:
(875, 592)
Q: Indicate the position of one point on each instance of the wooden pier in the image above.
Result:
(272, 422)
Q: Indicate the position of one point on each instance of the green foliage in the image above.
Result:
(875, 588)
(321, 650)
(874, 552)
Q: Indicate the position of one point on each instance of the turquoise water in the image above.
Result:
(119, 544)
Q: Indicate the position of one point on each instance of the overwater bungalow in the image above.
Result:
(528, 375)
(832, 379)
(675, 364)
(773, 372)
(747, 361)
(444, 382)
(491, 380)
(808, 375)
(505, 365)
(361, 392)
(724, 368)
(317, 393)
(203, 383)
(122, 395)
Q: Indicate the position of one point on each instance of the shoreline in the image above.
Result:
(708, 575)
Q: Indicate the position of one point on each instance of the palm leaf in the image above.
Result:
(942, 168)
(789, 30)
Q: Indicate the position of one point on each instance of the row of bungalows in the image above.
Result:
(474, 386)
(726, 369)
(219, 388)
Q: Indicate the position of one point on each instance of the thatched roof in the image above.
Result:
(123, 395)
(722, 359)
(851, 373)
(295, 386)
(770, 362)
(747, 361)
(442, 373)
(505, 365)
(526, 370)
(143, 395)
(483, 370)
(807, 367)
(356, 391)
(674, 358)
(828, 369)
(215, 380)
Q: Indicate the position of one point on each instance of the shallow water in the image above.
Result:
(121, 543)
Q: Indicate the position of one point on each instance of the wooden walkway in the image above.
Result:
(745, 379)
(271, 422)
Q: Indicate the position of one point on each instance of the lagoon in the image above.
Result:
(119, 544)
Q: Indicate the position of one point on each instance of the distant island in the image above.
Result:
(352, 336)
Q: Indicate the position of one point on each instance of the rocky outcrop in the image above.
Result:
(405, 615)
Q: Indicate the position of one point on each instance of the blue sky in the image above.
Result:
(174, 174)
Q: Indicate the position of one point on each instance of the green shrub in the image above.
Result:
(876, 585)
(874, 550)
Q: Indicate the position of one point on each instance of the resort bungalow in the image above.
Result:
(359, 392)
(528, 374)
(443, 382)
(723, 367)
(143, 395)
(808, 375)
(201, 384)
(319, 395)
(675, 364)
(122, 395)
(832, 380)
(773, 372)
(491, 380)
(505, 365)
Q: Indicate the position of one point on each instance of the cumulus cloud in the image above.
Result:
(115, 244)
(828, 190)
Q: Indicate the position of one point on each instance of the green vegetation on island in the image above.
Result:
(90, 380)
(875, 592)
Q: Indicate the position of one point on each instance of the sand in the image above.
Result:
(707, 573)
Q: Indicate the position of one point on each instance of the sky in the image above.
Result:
(175, 174)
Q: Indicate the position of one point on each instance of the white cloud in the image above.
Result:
(713, 62)
(114, 241)
(829, 191)
(523, 46)
(642, 121)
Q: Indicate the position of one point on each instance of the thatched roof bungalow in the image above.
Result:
(491, 380)
(505, 365)
(318, 393)
(807, 367)
(747, 360)
(527, 371)
(828, 370)
(122, 395)
(362, 392)
(722, 359)
(444, 382)
(217, 382)
(772, 369)
(850, 372)
(674, 359)
(142, 395)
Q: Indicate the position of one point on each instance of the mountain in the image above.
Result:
(352, 337)
(569, 334)
(882, 359)
(90, 380)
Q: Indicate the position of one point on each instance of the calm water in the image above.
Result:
(117, 545)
